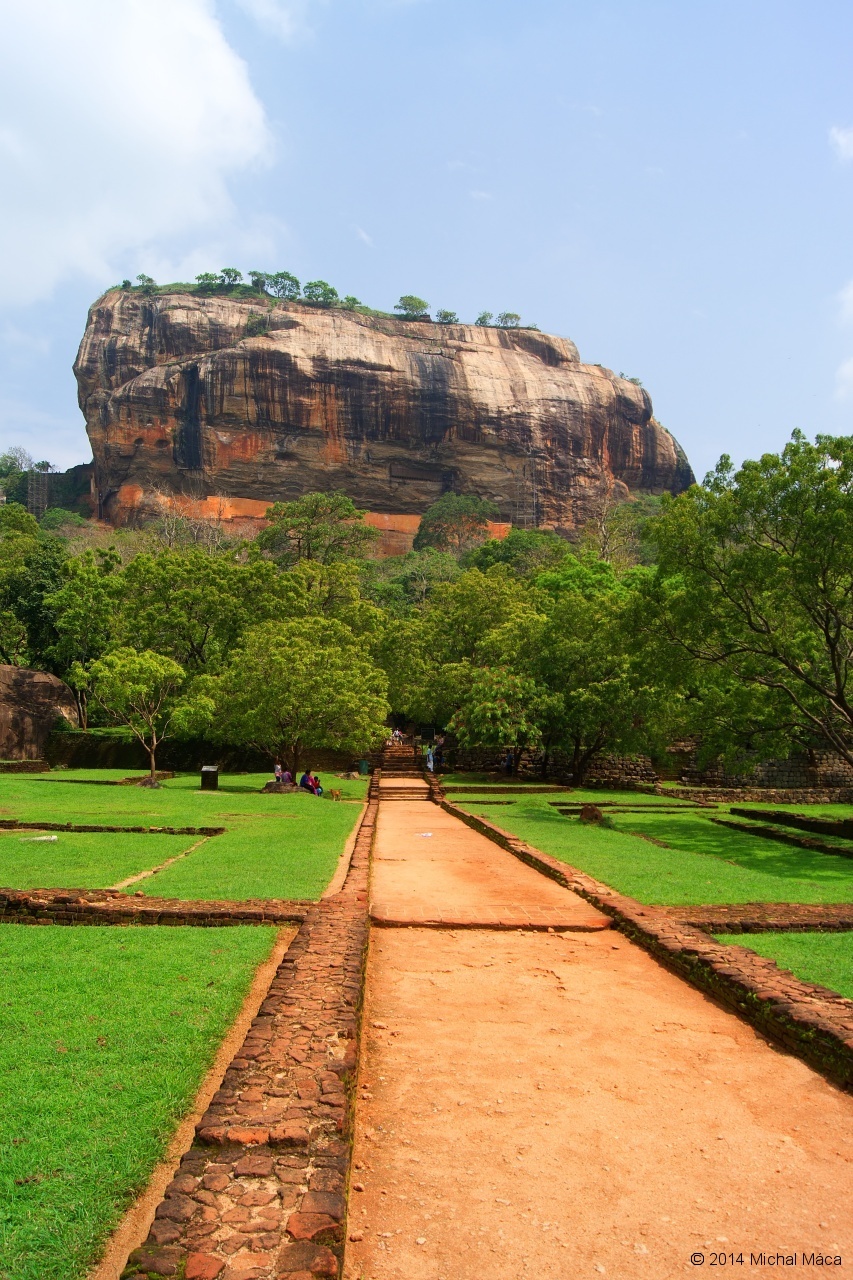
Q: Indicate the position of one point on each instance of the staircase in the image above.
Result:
(402, 773)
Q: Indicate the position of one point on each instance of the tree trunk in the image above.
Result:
(82, 708)
(516, 760)
(152, 764)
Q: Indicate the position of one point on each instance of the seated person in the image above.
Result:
(318, 790)
(287, 778)
(306, 781)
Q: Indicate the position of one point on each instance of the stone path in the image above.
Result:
(535, 1103)
(430, 870)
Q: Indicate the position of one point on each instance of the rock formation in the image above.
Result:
(223, 405)
(31, 703)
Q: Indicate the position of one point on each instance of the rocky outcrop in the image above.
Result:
(31, 703)
(227, 404)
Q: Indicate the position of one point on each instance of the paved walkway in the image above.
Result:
(537, 1104)
(430, 869)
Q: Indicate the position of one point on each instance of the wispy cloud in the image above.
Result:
(288, 20)
(363, 236)
(842, 142)
(480, 195)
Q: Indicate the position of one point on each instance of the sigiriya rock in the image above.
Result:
(222, 405)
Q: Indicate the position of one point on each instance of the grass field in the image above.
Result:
(85, 860)
(705, 863)
(105, 1036)
(826, 958)
(273, 846)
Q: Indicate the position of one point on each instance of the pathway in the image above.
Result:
(557, 1104)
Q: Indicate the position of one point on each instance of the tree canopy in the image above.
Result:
(296, 686)
(454, 522)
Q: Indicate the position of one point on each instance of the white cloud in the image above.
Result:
(363, 236)
(286, 19)
(120, 125)
(842, 141)
(480, 195)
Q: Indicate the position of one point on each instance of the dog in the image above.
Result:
(334, 793)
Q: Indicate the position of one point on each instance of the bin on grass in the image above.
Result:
(210, 777)
(364, 766)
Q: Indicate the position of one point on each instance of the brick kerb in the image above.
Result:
(261, 1193)
(809, 1020)
(112, 907)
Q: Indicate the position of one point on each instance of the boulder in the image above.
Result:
(31, 703)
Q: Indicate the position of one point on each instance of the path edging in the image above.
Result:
(261, 1194)
(113, 907)
(810, 1020)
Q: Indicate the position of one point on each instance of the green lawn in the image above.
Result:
(706, 863)
(826, 958)
(105, 1036)
(273, 846)
(81, 860)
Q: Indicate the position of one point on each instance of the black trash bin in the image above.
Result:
(210, 777)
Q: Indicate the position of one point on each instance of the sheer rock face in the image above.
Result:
(229, 404)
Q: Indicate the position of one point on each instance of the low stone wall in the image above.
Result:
(112, 907)
(12, 824)
(731, 795)
(812, 1021)
(821, 768)
(24, 766)
(606, 770)
(768, 917)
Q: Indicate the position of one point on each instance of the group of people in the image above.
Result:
(308, 782)
(435, 754)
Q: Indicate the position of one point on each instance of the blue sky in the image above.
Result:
(668, 184)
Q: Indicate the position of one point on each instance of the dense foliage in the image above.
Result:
(723, 616)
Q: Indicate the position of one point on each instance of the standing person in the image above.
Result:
(430, 760)
(277, 771)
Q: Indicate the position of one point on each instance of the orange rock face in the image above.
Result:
(223, 405)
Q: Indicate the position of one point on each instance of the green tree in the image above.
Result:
(208, 281)
(14, 518)
(193, 605)
(455, 522)
(143, 691)
(259, 280)
(523, 551)
(230, 276)
(604, 697)
(446, 317)
(147, 284)
(484, 319)
(284, 285)
(350, 303)
(755, 578)
(326, 527)
(509, 320)
(297, 686)
(499, 709)
(84, 609)
(320, 294)
(412, 308)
